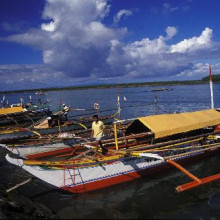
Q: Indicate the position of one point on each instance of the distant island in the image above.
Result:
(204, 80)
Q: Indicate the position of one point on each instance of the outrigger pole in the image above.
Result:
(196, 182)
(211, 86)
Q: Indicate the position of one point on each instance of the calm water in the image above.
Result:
(149, 197)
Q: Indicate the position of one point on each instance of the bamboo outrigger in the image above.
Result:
(86, 170)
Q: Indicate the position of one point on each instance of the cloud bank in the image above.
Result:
(77, 44)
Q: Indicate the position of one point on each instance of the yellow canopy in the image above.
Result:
(11, 110)
(170, 124)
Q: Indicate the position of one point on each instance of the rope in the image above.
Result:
(29, 118)
(82, 125)
(12, 120)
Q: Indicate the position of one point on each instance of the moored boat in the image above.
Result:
(45, 127)
(20, 115)
(11, 110)
(89, 170)
(92, 175)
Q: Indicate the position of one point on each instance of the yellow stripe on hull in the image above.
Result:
(70, 162)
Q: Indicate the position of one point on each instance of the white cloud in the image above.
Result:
(156, 58)
(49, 26)
(199, 70)
(168, 8)
(75, 41)
(204, 41)
(77, 44)
(171, 31)
(120, 14)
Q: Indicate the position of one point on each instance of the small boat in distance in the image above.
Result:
(159, 90)
(40, 93)
(162, 89)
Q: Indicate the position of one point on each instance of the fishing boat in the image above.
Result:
(192, 136)
(11, 110)
(160, 90)
(54, 124)
(39, 150)
(65, 142)
(19, 115)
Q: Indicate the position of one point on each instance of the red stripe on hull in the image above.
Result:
(102, 183)
(99, 184)
(49, 153)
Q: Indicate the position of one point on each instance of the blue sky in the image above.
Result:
(47, 43)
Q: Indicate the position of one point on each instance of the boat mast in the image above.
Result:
(155, 103)
(211, 86)
(118, 104)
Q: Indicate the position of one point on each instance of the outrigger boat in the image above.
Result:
(11, 110)
(19, 115)
(66, 142)
(42, 127)
(192, 136)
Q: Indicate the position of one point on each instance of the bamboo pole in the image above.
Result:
(116, 137)
(173, 145)
(18, 185)
(173, 141)
(191, 152)
(191, 147)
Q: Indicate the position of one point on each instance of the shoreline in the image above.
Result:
(124, 85)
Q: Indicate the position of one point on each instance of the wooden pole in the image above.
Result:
(174, 141)
(18, 185)
(59, 126)
(116, 137)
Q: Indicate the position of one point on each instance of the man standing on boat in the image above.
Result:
(65, 111)
(98, 129)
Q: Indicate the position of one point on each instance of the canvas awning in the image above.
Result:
(4, 111)
(170, 124)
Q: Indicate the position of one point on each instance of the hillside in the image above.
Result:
(215, 78)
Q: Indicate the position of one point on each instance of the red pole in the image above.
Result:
(210, 72)
(194, 184)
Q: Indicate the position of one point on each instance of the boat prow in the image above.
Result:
(15, 161)
(13, 150)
